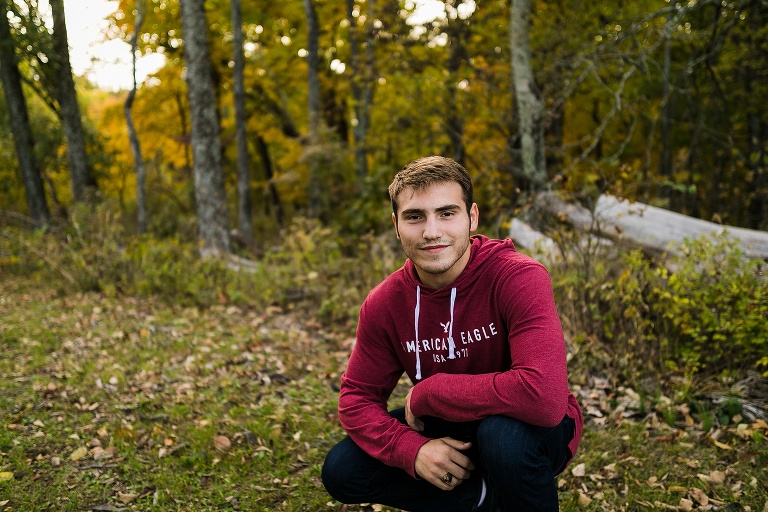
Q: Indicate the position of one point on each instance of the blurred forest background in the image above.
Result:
(272, 132)
(250, 171)
(657, 101)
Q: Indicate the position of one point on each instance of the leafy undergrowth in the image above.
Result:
(124, 404)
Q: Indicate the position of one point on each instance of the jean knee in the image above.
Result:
(333, 473)
(505, 443)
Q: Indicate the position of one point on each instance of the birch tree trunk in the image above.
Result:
(138, 159)
(529, 106)
(19, 119)
(210, 195)
(80, 173)
(243, 161)
(314, 193)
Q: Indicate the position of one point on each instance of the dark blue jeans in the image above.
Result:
(518, 461)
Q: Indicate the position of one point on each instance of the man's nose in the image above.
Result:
(432, 229)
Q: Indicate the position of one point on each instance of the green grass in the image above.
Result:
(146, 387)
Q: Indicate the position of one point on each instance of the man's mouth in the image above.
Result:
(433, 248)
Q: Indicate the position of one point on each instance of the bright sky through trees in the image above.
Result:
(107, 63)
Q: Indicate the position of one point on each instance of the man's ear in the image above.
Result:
(474, 217)
(394, 221)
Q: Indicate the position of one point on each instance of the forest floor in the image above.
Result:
(114, 403)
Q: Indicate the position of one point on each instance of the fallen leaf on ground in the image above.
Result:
(717, 477)
(79, 453)
(699, 496)
(5, 475)
(579, 470)
(127, 497)
(222, 443)
(584, 500)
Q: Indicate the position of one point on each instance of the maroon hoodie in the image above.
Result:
(490, 343)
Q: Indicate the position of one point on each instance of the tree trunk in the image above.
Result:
(210, 195)
(269, 175)
(757, 210)
(80, 173)
(529, 106)
(362, 84)
(138, 159)
(19, 119)
(458, 31)
(665, 159)
(314, 192)
(654, 230)
(243, 161)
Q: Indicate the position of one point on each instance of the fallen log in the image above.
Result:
(525, 236)
(652, 229)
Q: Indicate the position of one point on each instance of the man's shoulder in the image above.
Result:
(393, 284)
(510, 259)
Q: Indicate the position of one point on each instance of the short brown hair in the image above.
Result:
(426, 171)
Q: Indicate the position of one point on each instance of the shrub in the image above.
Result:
(716, 303)
(709, 314)
(312, 266)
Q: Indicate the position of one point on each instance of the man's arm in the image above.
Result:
(535, 388)
(371, 375)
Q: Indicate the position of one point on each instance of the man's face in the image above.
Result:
(433, 227)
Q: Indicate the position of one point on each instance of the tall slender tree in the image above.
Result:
(210, 195)
(243, 160)
(314, 193)
(362, 82)
(529, 105)
(81, 175)
(458, 32)
(138, 159)
(19, 117)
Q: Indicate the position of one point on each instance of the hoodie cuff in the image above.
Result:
(420, 405)
(408, 446)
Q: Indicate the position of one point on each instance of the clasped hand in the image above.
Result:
(439, 457)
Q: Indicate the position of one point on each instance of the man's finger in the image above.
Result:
(456, 444)
(460, 459)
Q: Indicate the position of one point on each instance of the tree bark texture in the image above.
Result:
(138, 159)
(529, 106)
(20, 126)
(210, 195)
(243, 160)
(459, 32)
(269, 175)
(362, 85)
(80, 173)
(314, 192)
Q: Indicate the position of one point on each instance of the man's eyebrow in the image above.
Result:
(420, 211)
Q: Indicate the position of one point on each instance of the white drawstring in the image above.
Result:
(416, 323)
(451, 344)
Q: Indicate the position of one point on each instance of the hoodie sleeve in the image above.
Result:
(371, 375)
(535, 388)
